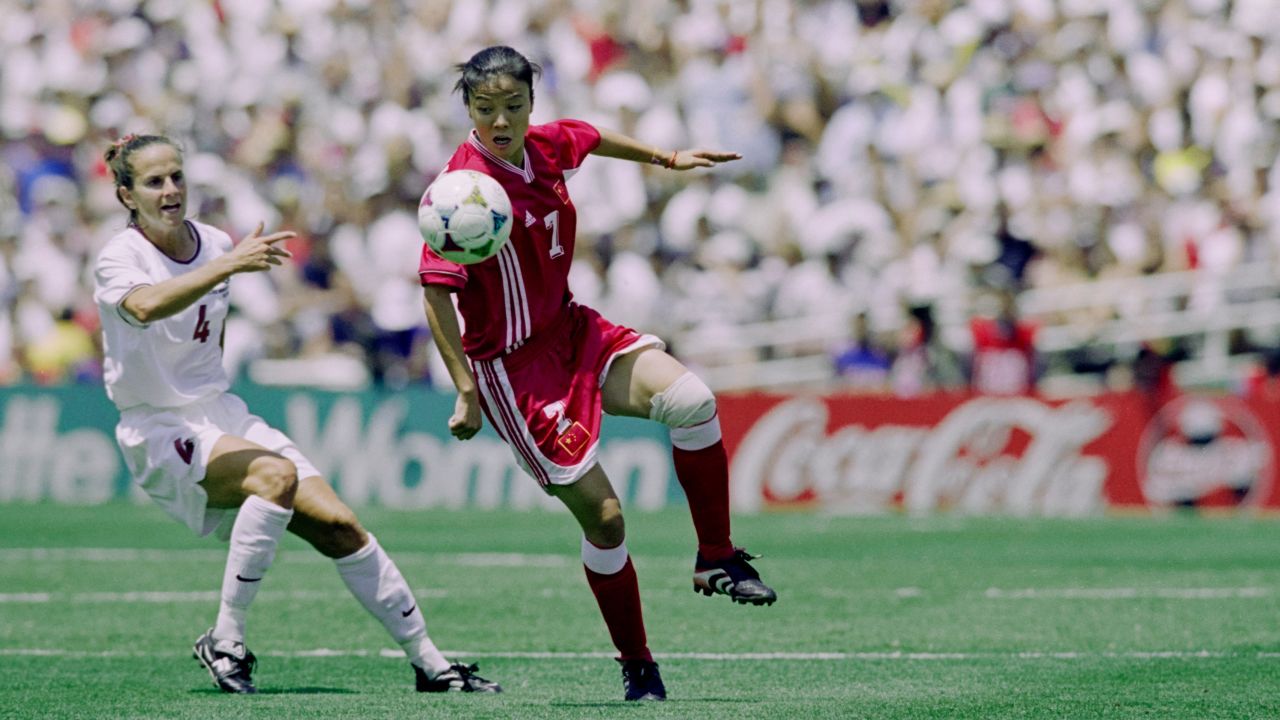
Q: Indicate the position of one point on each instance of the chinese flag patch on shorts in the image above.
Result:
(574, 439)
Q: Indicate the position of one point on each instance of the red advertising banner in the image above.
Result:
(1010, 455)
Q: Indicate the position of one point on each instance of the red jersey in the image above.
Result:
(523, 289)
(1003, 364)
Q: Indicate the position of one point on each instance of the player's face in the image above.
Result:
(500, 110)
(159, 192)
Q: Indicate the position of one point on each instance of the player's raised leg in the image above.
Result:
(263, 485)
(650, 383)
(324, 521)
(612, 578)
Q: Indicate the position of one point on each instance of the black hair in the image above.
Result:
(924, 315)
(492, 62)
(118, 157)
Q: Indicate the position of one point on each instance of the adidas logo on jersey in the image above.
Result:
(529, 219)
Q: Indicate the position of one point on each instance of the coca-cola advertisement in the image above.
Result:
(1206, 452)
(1005, 455)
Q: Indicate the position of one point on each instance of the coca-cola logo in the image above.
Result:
(1204, 451)
(1016, 455)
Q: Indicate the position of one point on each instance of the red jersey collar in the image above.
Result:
(525, 172)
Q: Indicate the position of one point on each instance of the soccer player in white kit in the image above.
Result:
(161, 287)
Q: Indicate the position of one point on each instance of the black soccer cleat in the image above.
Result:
(458, 678)
(229, 663)
(641, 680)
(732, 576)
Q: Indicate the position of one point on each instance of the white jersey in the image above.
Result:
(171, 362)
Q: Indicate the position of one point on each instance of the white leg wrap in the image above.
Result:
(688, 407)
(698, 436)
(603, 561)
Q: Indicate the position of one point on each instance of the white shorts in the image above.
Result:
(167, 451)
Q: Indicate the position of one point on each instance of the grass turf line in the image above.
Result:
(1110, 617)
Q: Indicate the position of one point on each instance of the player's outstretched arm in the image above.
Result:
(447, 335)
(257, 252)
(616, 145)
(254, 253)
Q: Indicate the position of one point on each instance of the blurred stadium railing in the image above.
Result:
(1207, 309)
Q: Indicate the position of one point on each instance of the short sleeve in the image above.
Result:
(435, 270)
(116, 274)
(219, 239)
(573, 140)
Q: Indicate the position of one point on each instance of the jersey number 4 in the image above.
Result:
(202, 326)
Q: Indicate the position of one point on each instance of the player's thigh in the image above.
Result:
(167, 453)
(239, 468)
(594, 505)
(636, 377)
(256, 430)
(323, 520)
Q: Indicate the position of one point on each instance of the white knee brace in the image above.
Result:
(603, 561)
(688, 407)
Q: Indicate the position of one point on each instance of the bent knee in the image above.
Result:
(273, 478)
(610, 530)
(686, 402)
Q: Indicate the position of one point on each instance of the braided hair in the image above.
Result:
(118, 157)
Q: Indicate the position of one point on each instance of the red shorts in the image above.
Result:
(544, 398)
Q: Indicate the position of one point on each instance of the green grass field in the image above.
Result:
(884, 617)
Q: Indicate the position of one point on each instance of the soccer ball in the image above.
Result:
(465, 216)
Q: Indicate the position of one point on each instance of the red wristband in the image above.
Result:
(671, 164)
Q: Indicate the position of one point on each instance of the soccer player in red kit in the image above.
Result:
(1004, 350)
(544, 368)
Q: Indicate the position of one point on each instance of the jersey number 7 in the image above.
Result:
(553, 224)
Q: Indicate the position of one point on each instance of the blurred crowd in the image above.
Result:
(896, 155)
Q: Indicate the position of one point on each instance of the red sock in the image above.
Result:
(618, 596)
(704, 475)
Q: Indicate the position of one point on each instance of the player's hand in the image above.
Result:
(258, 252)
(690, 159)
(466, 420)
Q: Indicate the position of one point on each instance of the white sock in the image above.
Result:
(377, 583)
(257, 531)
